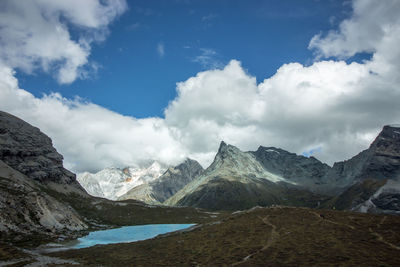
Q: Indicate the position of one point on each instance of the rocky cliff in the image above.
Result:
(308, 172)
(30, 168)
(26, 149)
(370, 181)
(380, 161)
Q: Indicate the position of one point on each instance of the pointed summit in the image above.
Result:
(226, 151)
(388, 141)
(391, 132)
(222, 146)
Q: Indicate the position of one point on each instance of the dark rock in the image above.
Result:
(380, 161)
(26, 149)
(308, 172)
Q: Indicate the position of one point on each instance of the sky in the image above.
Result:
(115, 83)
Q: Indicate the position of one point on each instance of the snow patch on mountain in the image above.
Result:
(111, 183)
(392, 187)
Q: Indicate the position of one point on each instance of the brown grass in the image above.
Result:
(264, 237)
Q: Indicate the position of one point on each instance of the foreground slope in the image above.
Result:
(25, 209)
(275, 236)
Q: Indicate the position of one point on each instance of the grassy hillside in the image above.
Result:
(263, 236)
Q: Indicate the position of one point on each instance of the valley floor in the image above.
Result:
(262, 236)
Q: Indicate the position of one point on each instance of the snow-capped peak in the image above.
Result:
(113, 182)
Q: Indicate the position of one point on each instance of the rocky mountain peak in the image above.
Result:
(225, 151)
(384, 155)
(380, 161)
(222, 147)
(388, 141)
(190, 165)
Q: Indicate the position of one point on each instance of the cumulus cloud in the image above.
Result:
(34, 34)
(90, 136)
(371, 26)
(330, 109)
(330, 105)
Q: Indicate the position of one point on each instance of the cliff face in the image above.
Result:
(26, 149)
(384, 155)
(308, 172)
(380, 161)
(30, 168)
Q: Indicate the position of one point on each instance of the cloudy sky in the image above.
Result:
(117, 82)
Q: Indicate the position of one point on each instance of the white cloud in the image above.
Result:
(329, 104)
(34, 34)
(89, 136)
(366, 30)
(208, 59)
(160, 49)
(331, 108)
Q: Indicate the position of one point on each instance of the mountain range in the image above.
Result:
(368, 182)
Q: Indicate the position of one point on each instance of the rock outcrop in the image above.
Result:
(26, 149)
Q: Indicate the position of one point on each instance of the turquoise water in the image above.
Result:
(125, 234)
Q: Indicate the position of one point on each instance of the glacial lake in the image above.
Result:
(124, 235)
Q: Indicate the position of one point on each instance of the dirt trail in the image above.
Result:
(319, 216)
(39, 260)
(380, 237)
(273, 237)
(382, 221)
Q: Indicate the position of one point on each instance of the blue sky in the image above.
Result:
(132, 78)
